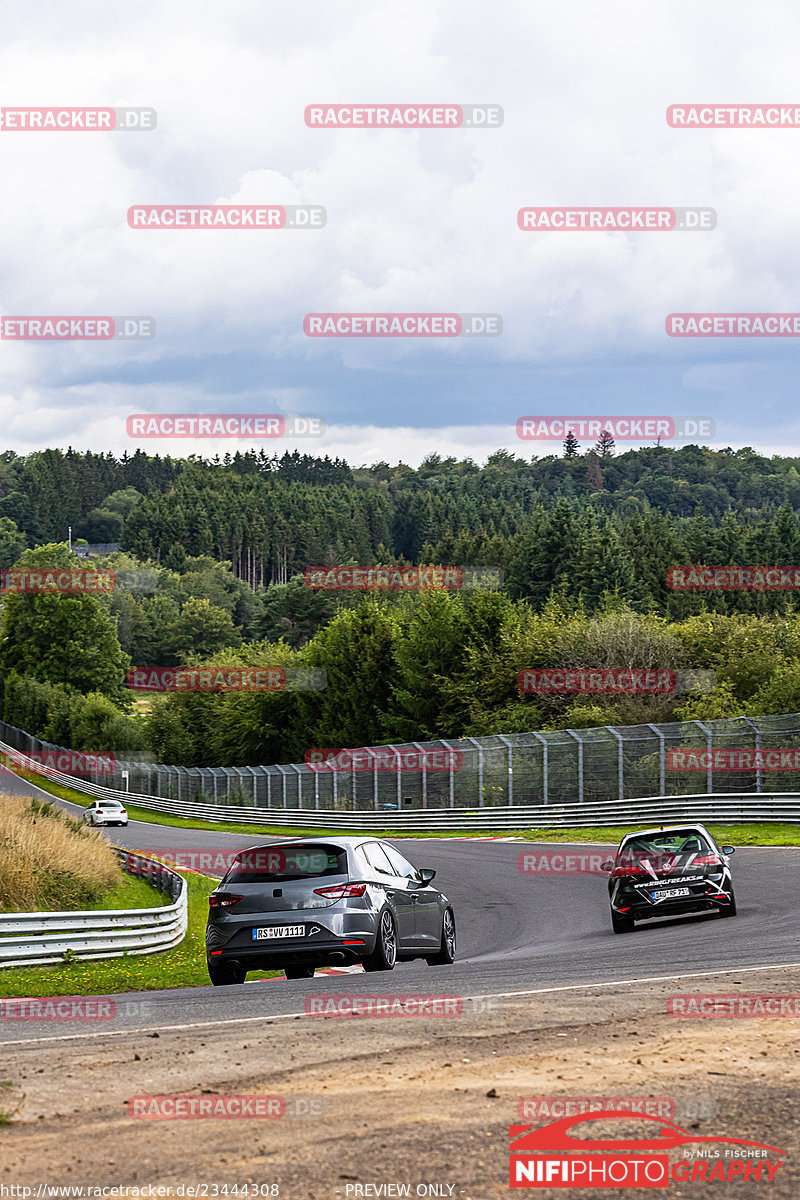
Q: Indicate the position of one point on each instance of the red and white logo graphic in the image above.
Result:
(553, 1156)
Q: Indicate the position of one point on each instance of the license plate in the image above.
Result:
(278, 931)
(669, 893)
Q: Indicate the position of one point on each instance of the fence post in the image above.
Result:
(661, 758)
(545, 765)
(620, 768)
(507, 744)
(759, 768)
(452, 753)
(374, 778)
(579, 740)
(476, 743)
(709, 768)
(418, 746)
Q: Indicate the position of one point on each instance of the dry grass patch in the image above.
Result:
(48, 860)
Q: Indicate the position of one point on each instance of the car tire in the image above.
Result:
(224, 974)
(621, 924)
(730, 909)
(384, 956)
(299, 972)
(446, 953)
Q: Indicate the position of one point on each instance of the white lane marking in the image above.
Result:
(567, 987)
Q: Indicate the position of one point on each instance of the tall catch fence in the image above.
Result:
(604, 765)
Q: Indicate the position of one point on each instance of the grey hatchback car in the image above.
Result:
(304, 903)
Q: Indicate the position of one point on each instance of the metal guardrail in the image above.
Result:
(28, 939)
(592, 765)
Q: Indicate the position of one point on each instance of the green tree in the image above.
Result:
(62, 638)
(202, 629)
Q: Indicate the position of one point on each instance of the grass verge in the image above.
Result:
(755, 834)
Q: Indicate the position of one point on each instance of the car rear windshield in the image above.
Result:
(676, 842)
(268, 864)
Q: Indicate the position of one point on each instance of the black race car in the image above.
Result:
(667, 872)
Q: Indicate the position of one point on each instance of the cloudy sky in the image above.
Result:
(417, 221)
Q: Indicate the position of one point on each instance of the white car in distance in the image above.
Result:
(106, 812)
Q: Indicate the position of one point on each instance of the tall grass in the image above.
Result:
(48, 860)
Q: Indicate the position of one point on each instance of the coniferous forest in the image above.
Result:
(210, 570)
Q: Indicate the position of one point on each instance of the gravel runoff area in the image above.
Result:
(419, 1101)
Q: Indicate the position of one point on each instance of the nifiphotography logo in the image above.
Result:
(553, 1156)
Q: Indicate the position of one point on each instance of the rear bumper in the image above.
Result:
(327, 952)
(700, 902)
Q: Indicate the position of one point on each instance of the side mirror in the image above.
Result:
(426, 875)
(728, 849)
(607, 865)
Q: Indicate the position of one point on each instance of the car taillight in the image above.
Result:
(223, 899)
(708, 860)
(341, 891)
(623, 872)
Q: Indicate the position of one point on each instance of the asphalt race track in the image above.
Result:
(516, 932)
